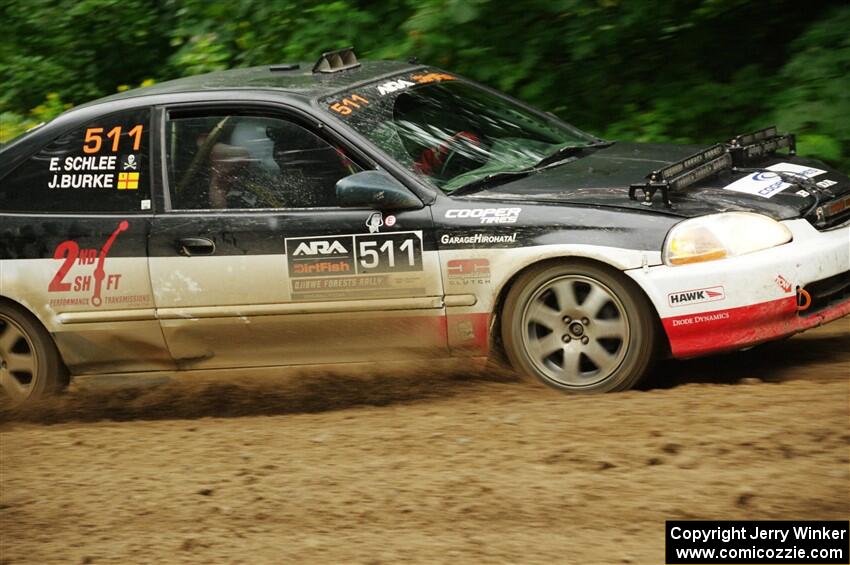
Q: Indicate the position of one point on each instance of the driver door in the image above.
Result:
(253, 263)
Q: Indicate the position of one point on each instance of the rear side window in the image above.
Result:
(100, 167)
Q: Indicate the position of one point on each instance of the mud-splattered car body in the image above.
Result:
(102, 244)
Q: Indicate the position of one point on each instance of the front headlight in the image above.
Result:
(718, 236)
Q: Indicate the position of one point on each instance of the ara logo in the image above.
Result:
(393, 86)
(320, 247)
(696, 296)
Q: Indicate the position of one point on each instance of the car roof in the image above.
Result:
(288, 80)
(300, 80)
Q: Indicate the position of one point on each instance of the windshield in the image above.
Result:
(449, 132)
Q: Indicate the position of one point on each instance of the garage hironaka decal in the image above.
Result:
(70, 253)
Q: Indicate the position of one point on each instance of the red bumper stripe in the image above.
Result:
(723, 330)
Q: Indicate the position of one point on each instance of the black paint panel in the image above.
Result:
(264, 233)
(602, 178)
(547, 224)
(37, 237)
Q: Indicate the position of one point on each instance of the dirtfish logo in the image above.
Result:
(686, 297)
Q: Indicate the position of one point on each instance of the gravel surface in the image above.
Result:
(425, 468)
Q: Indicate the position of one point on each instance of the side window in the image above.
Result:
(100, 167)
(246, 162)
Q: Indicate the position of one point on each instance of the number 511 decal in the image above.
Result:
(361, 254)
(387, 253)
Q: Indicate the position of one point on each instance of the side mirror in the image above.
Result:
(374, 189)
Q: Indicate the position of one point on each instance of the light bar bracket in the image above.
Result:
(682, 174)
(752, 146)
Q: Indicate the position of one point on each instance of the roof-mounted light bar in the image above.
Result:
(750, 146)
(336, 61)
(739, 151)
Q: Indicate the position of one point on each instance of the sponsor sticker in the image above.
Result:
(477, 239)
(94, 168)
(333, 284)
(96, 282)
(701, 319)
(322, 256)
(465, 330)
(394, 86)
(130, 162)
(486, 215)
(128, 181)
(347, 105)
(783, 283)
(767, 184)
(425, 78)
(359, 254)
(374, 222)
(468, 271)
(696, 296)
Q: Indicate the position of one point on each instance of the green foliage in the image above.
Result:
(650, 70)
(13, 125)
(815, 98)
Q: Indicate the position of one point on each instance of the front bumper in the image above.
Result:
(743, 301)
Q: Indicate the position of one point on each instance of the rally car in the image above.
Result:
(344, 212)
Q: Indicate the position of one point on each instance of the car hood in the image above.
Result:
(602, 178)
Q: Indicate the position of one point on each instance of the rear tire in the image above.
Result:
(30, 366)
(579, 327)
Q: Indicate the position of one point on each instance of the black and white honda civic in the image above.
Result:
(345, 212)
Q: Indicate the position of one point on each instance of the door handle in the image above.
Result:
(189, 246)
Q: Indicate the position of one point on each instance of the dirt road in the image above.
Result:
(428, 469)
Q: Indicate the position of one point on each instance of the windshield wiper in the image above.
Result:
(491, 180)
(568, 151)
(501, 177)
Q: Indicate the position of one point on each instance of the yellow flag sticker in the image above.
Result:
(128, 181)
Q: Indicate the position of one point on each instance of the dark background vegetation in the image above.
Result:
(647, 70)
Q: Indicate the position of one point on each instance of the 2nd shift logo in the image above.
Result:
(70, 252)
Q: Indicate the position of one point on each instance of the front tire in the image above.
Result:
(30, 366)
(579, 327)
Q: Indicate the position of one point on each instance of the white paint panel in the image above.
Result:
(753, 278)
(126, 286)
